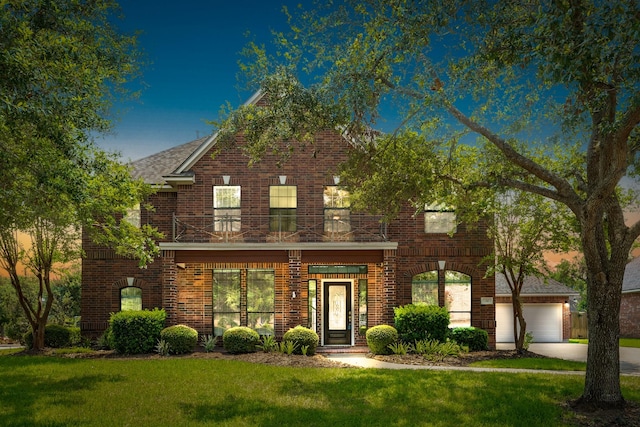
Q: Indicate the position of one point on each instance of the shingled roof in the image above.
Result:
(534, 286)
(631, 281)
(152, 169)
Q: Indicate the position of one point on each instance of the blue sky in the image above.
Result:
(193, 48)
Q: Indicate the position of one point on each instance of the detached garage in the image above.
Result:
(546, 309)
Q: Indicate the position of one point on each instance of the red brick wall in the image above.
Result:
(630, 315)
(310, 169)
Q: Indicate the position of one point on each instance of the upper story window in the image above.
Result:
(133, 216)
(226, 207)
(439, 219)
(283, 204)
(337, 212)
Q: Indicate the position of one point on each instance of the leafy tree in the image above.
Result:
(61, 66)
(66, 298)
(550, 88)
(572, 273)
(526, 227)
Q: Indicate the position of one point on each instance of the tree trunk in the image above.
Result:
(602, 379)
(38, 335)
(519, 322)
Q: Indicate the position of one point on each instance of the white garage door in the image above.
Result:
(544, 321)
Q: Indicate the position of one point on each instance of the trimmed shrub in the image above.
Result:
(301, 337)
(240, 339)
(75, 337)
(136, 332)
(181, 338)
(380, 337)
(105, 341)
(55, 336)
(421, 322)
(474, 338)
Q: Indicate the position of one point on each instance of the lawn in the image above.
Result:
(52, 391)
(624, 342)
(549, 363)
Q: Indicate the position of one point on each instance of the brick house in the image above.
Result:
(274, 245)
(630, 303)
(546, 307)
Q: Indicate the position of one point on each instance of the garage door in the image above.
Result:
(544, 321)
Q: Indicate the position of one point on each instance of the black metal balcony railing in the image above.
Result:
(330, 227)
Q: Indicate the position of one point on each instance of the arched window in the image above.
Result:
(457, 298)
(130, 298)
(424, 288)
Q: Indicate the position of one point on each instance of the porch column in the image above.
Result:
(389, 298)
(295, 288)
(170, 287)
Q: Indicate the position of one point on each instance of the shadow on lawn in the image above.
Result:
(377, 397)
(26, 386)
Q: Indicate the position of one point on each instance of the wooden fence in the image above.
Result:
(579, 327)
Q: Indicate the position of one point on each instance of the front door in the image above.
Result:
(337, 313)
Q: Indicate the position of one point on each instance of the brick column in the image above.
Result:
(390, 286)
(295, 308)
(170, 287)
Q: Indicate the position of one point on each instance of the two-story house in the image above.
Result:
(274, 245)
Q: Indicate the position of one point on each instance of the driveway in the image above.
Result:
(629, 357)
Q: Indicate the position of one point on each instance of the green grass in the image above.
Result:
(8, 351)
(533, 363)
(624, 342)
(50, 391)
(630, 342)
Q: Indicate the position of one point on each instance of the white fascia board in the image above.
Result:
(541, 295)
(344, 246)
(197, 155)
(210, 142)
(180, 180)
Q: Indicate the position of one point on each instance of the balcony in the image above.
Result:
(332, 226)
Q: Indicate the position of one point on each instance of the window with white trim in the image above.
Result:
(283, 204)
(226, 207)
(337, 212)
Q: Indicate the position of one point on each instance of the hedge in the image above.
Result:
(301, 336)
(379, 337)
(421, 322)
(240, 339)
(474, 338)
(56, 336)
(136, 332)
(181, 338)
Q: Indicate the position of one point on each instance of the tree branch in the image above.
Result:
(564, 193)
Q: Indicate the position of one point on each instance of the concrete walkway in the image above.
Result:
(629, 359)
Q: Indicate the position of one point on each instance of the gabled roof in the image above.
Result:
(534, 286)
(631, 281)
(174, 164)
(210, 141)
(154, 168)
